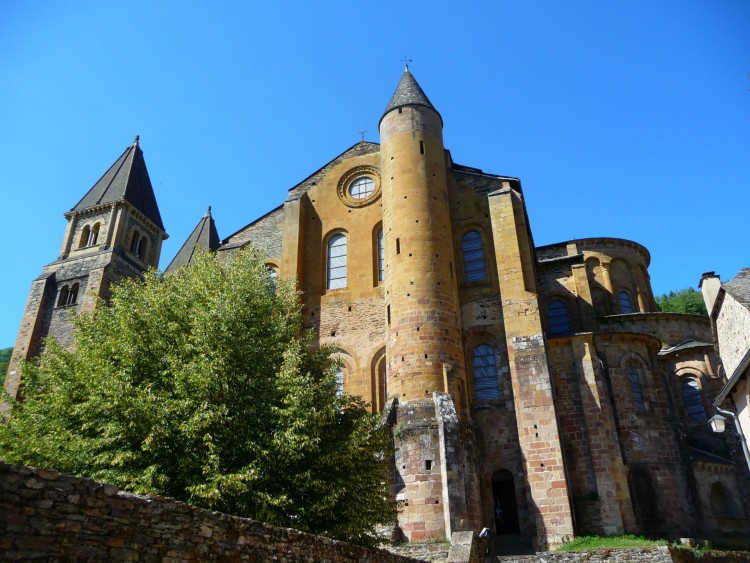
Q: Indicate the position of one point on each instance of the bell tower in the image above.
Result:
(115, 230)
(424, 356)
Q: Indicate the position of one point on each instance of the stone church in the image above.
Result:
(536, 391)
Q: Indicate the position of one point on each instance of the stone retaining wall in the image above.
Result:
(638, 555)
(45, 515)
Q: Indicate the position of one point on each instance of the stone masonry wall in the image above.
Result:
(45, 515)
(263, 234)
(733, 333)
(638, 555)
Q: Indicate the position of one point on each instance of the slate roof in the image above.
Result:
(204, 236)
(684, 345)
(697, 454)
(126, 180)
(409, 93)
(739, 286)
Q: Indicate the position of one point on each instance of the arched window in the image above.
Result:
(73, 295)
(134, 243)
(626, 305)
(339, 382)
(273, 277)
(634, 377)
(63, 299)
(557, 315)
(93, 235)
(85, 234)
(336, 271)
(473, 253)
(142, 247)
(381, 261)
(484, 366)
(691, 395)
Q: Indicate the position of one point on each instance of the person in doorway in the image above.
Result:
(498, 516)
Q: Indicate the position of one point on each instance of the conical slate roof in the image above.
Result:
(408, 93)
(204, 236)
(126, 180)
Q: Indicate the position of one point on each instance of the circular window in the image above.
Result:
(361, 187)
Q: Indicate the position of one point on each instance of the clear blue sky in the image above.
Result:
(625, 118)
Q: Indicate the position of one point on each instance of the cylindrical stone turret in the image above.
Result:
(423, 319)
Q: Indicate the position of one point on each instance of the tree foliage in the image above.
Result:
(5, 354)
(202, 386)
(683, 301)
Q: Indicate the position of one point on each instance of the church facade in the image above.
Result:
(536, 391)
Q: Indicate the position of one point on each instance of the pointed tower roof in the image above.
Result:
(204, 236)
(409, 93)
(126, 180)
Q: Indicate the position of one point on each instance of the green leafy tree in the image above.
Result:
(5, 354)
(683, 301)
(201, 385)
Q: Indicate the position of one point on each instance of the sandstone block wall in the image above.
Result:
(45, 515)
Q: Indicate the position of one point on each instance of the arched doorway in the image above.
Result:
(504, 504)
(645, 501)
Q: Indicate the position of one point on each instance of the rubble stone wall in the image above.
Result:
(46, 515)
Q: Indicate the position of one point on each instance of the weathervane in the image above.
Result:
(406, 62)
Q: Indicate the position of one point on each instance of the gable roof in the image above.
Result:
(739, 286)
(361, 148)
(126, 180)
(204, 236)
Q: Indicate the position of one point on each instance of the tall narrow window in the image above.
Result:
(381, 261)
(691, 395)
(634, 377)
(63, 299)
(337, 262)
(626, 305)
(73, 295)
(93, 235)
(134, 243)
(473, 252)
(557, 315)
(273, 277)
(85, 237)
(484, 366)
(339, 382)
(142, 246)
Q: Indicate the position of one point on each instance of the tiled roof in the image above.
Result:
(739, 286)
(126, 180)
(408, 93)
(204, 236)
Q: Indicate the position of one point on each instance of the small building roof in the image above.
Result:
(126, 180)
(739, 286)
(204, 236)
